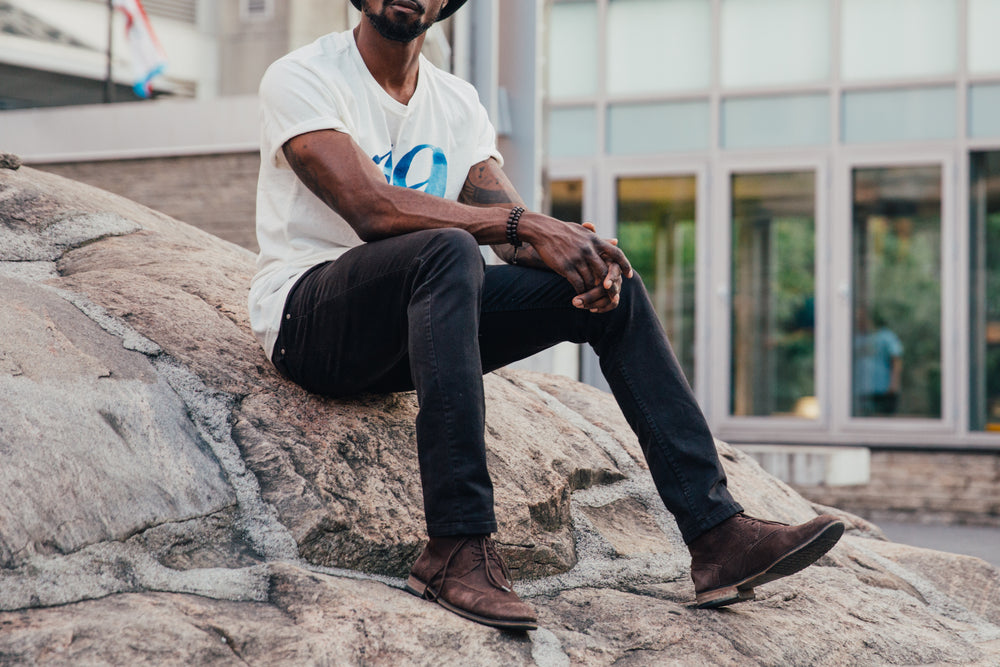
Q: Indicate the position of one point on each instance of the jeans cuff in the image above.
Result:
(462, 528)
(693, 530)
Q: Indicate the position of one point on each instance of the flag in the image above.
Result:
(148, 57)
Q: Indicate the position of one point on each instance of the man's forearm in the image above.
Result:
(357, 190)
(386, 213)
(488, 187)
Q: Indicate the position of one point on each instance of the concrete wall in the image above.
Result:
(926, 487)
(214, 192)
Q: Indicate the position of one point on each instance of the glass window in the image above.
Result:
(658, 46)
(888, 39)
(984, 47)
(656, 229)
(984, 354)
(773, 288)
(800, 27)
(914, 114)
(658, 128)
(572, 132)
(762, 122)
(567, 200)
(896, 328)
(984, 103)
(573, 50)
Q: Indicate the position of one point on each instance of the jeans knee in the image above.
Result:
(633, 292)
(454, 238)
(457, 252)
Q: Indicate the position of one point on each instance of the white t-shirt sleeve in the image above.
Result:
(486, 146)
(294, 101)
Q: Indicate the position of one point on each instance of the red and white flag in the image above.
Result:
(148, 57)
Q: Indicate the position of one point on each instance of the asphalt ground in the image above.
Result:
(968, 540)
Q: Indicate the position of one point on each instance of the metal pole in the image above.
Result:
(109, 84)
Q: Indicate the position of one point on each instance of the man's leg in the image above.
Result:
(394, 315)
(398, 314)
(525, 311)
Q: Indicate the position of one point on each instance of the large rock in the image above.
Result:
(165, 497)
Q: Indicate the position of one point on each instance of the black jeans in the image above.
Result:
(421, 311)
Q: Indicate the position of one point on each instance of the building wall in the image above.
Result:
(924, 487)
(248, 46)
(213, 192)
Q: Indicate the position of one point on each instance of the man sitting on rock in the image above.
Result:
(379, 181)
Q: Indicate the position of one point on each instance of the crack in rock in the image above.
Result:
(32, 244)
(109, 568)
(211, 413)
(131, 339)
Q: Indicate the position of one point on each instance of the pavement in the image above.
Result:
(976, 541)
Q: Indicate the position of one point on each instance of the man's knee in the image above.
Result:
(453, 238)
(633, 289)
(456, 251)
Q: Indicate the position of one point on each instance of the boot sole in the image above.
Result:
(416, 587)
(792, 562)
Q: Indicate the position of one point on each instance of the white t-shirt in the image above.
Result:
(429, 144)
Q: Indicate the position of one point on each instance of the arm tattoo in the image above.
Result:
(482, 188)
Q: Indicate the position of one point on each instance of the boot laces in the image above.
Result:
(752, 520)
(484, 551)
(492, 560)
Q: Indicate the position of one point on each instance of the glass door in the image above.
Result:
(657, 230)
(895, 325)
(769, 301)
(896, 274)
(655, 211)
(773, 295)
(984, 246)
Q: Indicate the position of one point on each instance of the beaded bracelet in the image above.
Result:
(515, 217)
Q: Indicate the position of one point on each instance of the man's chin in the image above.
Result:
(398, 30)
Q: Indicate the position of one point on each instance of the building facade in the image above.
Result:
(811, 190)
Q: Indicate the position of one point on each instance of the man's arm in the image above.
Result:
(487, 185)
(337, 171)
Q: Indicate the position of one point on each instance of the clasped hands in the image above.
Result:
(593, 265)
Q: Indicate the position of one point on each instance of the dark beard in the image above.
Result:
(396, 32)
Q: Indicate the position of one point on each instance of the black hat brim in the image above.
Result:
(449, 9)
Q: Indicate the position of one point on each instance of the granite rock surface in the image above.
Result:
(167, 498)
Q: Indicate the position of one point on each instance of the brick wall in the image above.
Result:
(925, 487)
(214, 192)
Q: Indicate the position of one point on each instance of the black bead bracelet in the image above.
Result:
(515, 217)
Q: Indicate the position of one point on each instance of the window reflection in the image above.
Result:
(985, 290)
(896, 332)
(656, 229)
(773, 287)
(567, 200)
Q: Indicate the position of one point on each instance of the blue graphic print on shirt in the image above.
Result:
(435, 183)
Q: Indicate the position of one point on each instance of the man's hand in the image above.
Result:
(582, 257)
(604, 297)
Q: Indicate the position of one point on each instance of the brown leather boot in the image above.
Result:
(467, 576)
(742, 552)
